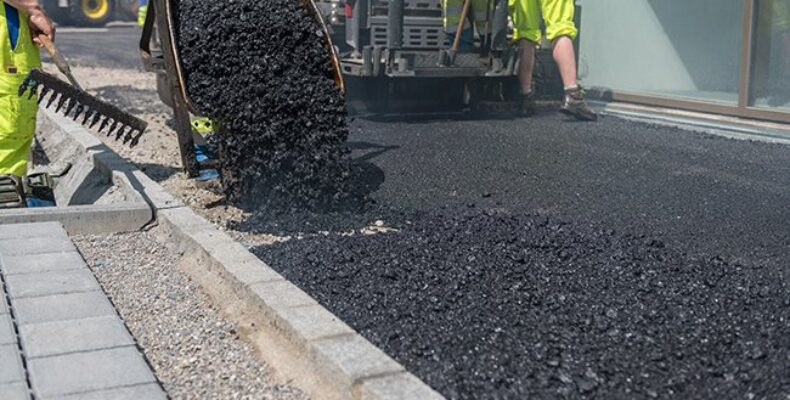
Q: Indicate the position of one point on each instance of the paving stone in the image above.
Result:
(90, 371)
(67, 261)
(150, 391)
(62, 307)
(61, 337)
(11, 369)
(32, 230)
(51, 283)
(7, 333)
(355, 357)
(3, 304)
(14, 391)
(403, 386)
(281, 294)
(35, 245)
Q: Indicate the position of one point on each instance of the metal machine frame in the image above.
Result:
(166, 61)
(406, 39)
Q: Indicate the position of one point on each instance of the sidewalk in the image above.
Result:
(60, 336)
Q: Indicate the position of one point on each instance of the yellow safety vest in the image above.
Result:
(17, 114)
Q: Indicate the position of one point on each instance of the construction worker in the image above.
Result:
(557, 16)
(453, 10)
(142, 11)
(21, 22)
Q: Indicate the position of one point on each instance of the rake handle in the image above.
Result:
(464, 15)
(58, 59)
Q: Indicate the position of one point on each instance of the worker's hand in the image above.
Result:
(41, 24)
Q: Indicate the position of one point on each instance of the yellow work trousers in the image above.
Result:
(557, 17)
(17, 126)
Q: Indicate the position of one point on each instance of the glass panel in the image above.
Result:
(670, 48)
(771, 68)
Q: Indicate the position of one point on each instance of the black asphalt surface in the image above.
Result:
(660, 272)
(492, 305)
(556, 259)
(699, 192)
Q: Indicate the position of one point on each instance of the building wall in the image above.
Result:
(674, 48)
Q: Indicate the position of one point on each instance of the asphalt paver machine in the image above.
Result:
(400, 47)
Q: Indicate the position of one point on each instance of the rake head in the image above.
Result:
(78, 104)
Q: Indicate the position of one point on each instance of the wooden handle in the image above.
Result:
(464, 14)
(58, 59)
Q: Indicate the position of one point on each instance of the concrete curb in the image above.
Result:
(131, 214)
(298, 337)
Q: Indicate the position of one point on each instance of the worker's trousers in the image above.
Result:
(557, 17)
(17, 114)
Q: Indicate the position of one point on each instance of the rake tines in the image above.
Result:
(92, 110)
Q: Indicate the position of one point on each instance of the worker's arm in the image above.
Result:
(39, 21)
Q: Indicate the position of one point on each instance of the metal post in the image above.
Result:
(395, 24)
(747, 46)
(183, 126)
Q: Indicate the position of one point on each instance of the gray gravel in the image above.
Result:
(194, 352)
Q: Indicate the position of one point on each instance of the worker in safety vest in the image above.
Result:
(557, 17)
(21, 22)
(142, 11)
(452, 10)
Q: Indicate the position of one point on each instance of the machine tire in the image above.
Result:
(92, 13)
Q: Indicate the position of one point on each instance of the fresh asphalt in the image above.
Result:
(702, 197)
(702, 193)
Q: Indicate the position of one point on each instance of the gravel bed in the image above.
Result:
(489, 304)
(195, 353)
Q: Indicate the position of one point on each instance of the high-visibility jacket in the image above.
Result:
(17, 114)
(142, 11)
(453, 9)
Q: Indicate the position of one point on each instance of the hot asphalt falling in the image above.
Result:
(261, 69)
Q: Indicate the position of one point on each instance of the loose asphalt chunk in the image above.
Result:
(490, 304)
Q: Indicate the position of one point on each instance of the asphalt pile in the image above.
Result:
(489, 304)
(261, 69)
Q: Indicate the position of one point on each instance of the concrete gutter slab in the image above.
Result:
(95, 196)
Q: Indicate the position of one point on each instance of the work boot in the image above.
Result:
(526, 107)
(575, 106)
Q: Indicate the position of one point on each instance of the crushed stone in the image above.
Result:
(194, 352)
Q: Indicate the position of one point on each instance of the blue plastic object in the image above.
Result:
(38, 203)
(207, 175)
(12, 20)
